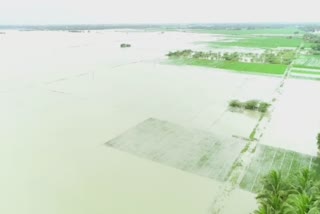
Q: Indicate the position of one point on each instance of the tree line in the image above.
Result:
(314, 39)
(269, 56)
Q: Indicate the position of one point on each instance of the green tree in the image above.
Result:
(304, 183)
(298, 194)
(235, 104)
(274, 193)
(251, 104)
(301, 204)
(263, 107)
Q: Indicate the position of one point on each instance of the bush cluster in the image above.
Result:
(253, 105)
(269, 56)
(123, 45)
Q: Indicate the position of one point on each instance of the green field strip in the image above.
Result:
(305, 66)
(305, 72)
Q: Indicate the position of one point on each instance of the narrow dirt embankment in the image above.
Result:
(243, 161)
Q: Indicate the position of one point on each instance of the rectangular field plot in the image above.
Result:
(312, 61)
(305, 73)
(187, 149)
(269, 158)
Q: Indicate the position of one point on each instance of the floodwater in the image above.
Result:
(295, 122)
(63, 95)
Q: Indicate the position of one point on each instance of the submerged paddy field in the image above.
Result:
(191, 150)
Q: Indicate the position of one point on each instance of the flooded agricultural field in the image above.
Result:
(76, 134)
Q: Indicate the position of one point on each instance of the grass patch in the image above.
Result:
(273, 69)
(252, 134)
(263, 42)
(245, 149)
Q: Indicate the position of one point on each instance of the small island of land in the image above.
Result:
(124, 45)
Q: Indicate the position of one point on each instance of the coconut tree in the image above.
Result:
(304, 183)
(269, 204)
(299, 195)
(301, 204)
(274, 193)
(318, 141)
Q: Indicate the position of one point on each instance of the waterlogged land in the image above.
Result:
(64, 95)
(77, 135)
(301, 62)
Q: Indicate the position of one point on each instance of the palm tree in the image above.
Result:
(270, 204)
(263, 209)
(304, 183)
(301, 204)
(274, 193)
(299, 195)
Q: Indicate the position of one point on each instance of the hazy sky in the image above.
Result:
(156, 11)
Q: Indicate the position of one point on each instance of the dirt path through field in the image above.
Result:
(242, 163)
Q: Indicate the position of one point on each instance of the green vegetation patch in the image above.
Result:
(253, 105)
(308, 61)
(124, 45)
(257, 68)
(262, 42)
(314, 40)
(305, 72)
(297, 194)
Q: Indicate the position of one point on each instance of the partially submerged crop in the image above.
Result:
(254, 105)
(263, 107)
(124, 45)
(251, 104)
(235, 104)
